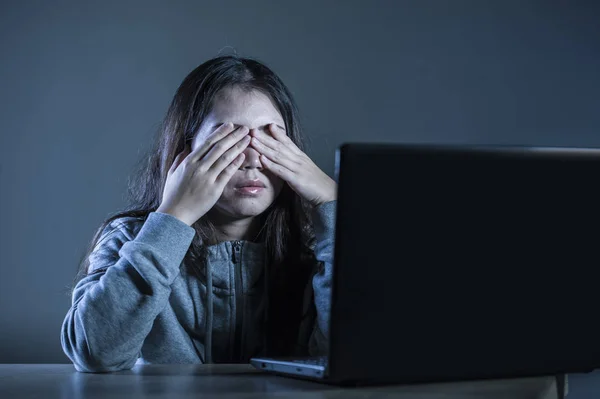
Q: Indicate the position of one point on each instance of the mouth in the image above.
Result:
(256, 183)
(250, 187)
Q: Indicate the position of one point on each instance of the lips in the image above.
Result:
(250, 183)
(251, 188)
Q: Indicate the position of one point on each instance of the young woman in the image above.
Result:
(226, 250)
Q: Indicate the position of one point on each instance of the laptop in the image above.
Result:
(461, 263)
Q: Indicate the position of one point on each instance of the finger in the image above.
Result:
(178, 159)
(272, 143)
(229, 156)
(281, 158)
(280, 134)
(219, 133)
(175, 163)
(278, 169)
(230, 170)
(224, 144)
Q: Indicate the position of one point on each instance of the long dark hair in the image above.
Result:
(286, 227)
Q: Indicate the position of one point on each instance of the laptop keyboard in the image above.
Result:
(315, 361)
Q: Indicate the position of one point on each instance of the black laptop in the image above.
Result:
(461, 263)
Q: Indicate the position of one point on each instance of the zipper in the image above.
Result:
(239, 299)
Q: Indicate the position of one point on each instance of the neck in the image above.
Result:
(235, 229)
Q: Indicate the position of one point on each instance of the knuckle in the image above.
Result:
(218, 137)
(209, 143)
(201, 169)
(232, 152)
(224, 128)
(222, 133)
(213, 138)
(223, 162)
(228, 158)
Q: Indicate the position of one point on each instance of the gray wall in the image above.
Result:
(84, 86)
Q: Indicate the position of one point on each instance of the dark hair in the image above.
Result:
(287, 229)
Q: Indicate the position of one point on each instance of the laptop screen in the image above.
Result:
(447, 250)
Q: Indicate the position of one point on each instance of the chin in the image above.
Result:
(241, 208)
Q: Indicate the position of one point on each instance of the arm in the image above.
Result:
(324, 225)
(114, 307)
(280, 155)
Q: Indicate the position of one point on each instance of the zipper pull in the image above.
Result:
(237, 246)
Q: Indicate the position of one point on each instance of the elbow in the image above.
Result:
(99, 365)
(84, 358)
(87, 361)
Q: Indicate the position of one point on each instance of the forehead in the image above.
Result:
(242, 107)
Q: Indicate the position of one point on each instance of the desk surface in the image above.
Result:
(240, 381)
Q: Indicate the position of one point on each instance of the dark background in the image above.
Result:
(84, 85)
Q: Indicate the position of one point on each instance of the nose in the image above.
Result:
(252, 159)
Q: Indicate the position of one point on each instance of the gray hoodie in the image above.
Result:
(139, 305)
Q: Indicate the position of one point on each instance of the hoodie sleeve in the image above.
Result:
(324, 226)
(128, 285)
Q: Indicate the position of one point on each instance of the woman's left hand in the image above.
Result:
(281, 156)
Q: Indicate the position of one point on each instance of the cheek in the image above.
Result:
(277, 187)
(200, 137)
(276, 183)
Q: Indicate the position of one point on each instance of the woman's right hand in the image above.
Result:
(197, 178)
